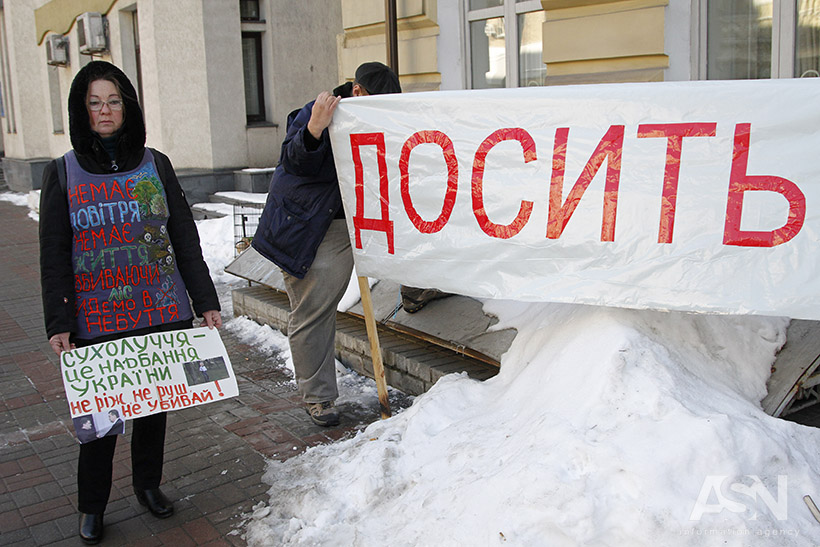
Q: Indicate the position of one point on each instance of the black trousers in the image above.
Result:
(95, 467)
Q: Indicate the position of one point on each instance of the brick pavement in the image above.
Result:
(215, 454)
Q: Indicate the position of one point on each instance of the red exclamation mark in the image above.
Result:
(219, 388)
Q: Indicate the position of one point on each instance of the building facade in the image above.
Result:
(217, 78)
(471, 44)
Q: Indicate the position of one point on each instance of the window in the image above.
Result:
(249, 10)
(748, 39)
(252, 68)
(807, 39)
(253, 62)
(505, 43)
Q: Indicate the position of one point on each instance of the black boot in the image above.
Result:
(91, 528)
(156, 502)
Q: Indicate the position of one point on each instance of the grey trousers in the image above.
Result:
(312, 319)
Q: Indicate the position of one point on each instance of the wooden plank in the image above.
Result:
(254, 267)
(375, 349)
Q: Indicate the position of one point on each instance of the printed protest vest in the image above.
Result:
(125, 270)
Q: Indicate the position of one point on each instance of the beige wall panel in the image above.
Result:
(300, 73)
(224, 85)
(567, 9)
(354, 55)
(364, 41)
(29, 81)
(560, 4)
(415, 56)
(421, 82)
(263, 145)
(175, 81)
(58, 16)
(651, 75)
(604, 36)
(150, 80)
(361, 13)
(597, 66)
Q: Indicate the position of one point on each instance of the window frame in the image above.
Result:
(254, 119)
(510, 10)
(784, 36)
(251, 19)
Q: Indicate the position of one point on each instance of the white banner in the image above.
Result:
(700, 196)
(109, 383)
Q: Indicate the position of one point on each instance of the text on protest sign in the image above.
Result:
(692, 195)
(143, 375)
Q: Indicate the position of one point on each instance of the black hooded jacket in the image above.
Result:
(56, 235)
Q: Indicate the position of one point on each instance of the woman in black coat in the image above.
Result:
(119, 256)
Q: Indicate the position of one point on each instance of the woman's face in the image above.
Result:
(107, 120)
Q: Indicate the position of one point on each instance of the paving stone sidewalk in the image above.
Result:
(215, 454)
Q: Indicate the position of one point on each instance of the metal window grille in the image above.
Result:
(245, 220)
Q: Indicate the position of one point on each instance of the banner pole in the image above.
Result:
(375, 347)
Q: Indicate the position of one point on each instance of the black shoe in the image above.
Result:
(323, 414)
(156, 502)
(91, 528)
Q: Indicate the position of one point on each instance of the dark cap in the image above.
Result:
(377, 78)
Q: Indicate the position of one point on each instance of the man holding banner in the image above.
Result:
(302, 230)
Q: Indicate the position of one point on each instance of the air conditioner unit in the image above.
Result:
(91, 33)
(57, 50)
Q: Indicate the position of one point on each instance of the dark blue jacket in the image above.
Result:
(303, 198)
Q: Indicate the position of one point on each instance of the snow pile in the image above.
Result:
(604, 427)
(216, 239)
(30, 200)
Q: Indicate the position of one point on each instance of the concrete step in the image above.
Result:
(234, 204)
(203, 211)
(412, 364)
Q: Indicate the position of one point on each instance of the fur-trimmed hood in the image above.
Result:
(132, 133)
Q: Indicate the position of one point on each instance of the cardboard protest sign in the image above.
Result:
(698, 196)
(109, 383)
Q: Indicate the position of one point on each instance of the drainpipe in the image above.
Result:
(391, 34)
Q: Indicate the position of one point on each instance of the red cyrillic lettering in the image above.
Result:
(674, 134)
(740, 182)
(500, 231)
(383, 224)
(609, 148)
(443, 141)
(80, 407)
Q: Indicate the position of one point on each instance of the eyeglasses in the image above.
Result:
(96, 105)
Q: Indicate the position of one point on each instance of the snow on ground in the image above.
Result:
(249, 197)
(30, 200)
(15, 198)
(604, 427)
